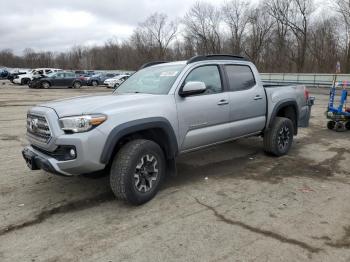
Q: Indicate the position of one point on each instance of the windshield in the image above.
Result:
(151, 80)
(51, 74)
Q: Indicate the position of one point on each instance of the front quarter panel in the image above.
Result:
(155, 106)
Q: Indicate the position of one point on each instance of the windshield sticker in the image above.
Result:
(169, 73)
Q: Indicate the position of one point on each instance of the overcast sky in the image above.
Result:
(57, 25)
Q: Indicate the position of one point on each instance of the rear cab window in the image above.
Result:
(240, 77)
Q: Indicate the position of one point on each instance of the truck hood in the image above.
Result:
(93, 104)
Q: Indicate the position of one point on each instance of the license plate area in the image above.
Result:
(30, 157)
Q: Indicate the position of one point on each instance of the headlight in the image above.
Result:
(78, 124)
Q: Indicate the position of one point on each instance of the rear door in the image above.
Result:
(69, 78)
(247, 100)
(203, 118)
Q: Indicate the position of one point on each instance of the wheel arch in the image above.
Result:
(47, 81)
(157, 129)
(77, 81)
(288, 109)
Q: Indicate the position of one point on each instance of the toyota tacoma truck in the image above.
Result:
(165, 109)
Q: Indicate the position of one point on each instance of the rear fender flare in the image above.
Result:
(280, 105)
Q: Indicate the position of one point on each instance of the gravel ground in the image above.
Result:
(228, 203)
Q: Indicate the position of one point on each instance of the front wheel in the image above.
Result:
(25, 81)
(45, 85)
(94, 83)
(279, 138)
(137, 171)
(330, 124)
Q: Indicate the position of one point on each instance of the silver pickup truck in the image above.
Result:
(163, 110)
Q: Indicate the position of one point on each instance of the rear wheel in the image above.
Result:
(116, 85)
(279, 138)
(137, 171)
(94, 83)
(339, 127)
(77, 84)
(347, 125)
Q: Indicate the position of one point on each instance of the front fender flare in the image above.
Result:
(139, 125)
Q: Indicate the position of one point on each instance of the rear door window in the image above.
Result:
(240, 77)
(69, 75)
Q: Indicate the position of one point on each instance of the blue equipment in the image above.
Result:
(339, 116)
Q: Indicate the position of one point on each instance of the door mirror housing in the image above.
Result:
(192, 88)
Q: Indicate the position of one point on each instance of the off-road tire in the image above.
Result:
(123, 169)
(272, 136)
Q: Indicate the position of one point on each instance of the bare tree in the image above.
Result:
(323, 45)
(156, 32)
(202, 24)
(279, 37)
(296, 15)
(235, 14)
(343, 8)
(260, 25)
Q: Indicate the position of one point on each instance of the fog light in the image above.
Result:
(72, 153)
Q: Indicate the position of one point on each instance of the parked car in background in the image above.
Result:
(88, 73)
(16, 72)
(98, 79)
(115, 82)
(4, 73)
(58, 79)
(25, 79)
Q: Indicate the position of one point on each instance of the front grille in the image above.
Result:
(38, 128)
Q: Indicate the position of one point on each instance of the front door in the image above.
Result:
(203, 119)
(69, 78)
(58, 80)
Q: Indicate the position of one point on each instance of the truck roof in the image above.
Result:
(198, 58)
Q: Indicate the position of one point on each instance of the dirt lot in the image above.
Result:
(228, 203)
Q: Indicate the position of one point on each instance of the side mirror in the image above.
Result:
(192, 88)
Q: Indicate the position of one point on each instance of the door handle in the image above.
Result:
(258, 97)
(222, 102)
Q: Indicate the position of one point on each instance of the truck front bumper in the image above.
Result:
(36, 160)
